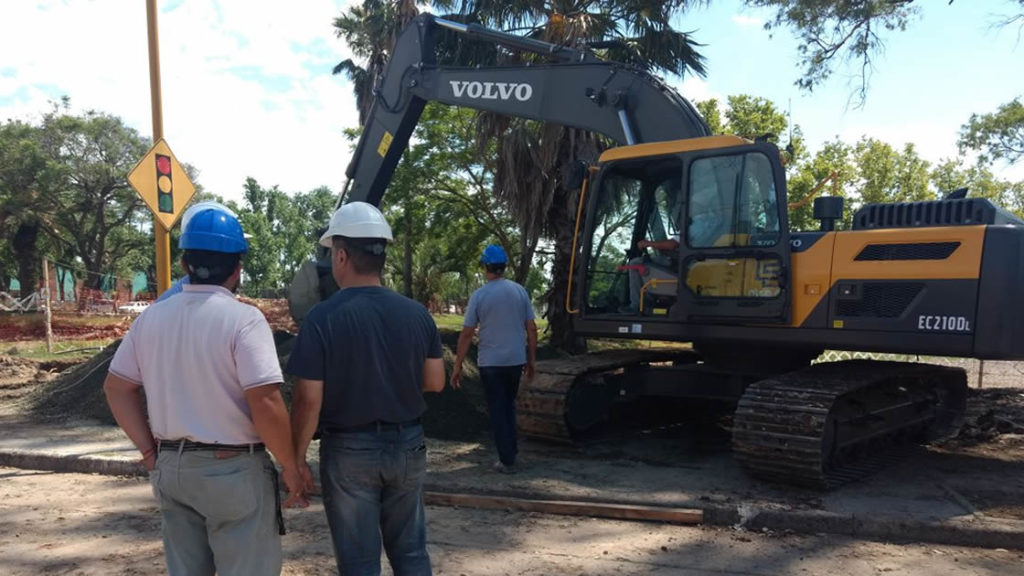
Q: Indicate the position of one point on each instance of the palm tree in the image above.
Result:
(534, 159)
(370, 30)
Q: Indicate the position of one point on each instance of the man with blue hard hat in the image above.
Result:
(211, 377)
(507, 349)
(196, 208)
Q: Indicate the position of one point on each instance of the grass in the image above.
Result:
(62, 349)
(30, 319)
(454, 322)
(448, 321)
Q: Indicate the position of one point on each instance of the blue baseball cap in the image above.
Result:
(494, 254)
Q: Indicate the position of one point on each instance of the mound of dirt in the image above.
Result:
(276, 312)
(992, 413)
(17, 370)
(77, 393)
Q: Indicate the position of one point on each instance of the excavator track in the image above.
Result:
(834, 422)
(569, 395)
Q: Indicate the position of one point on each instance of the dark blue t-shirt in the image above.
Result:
(368, 345)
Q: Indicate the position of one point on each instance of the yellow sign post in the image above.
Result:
(162, 183)
(160, 233)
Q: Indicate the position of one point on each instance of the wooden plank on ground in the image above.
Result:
(568, 508)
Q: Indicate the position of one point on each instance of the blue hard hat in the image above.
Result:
(214, 231)
(494, 254)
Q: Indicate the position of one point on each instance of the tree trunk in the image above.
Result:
(407, 263)
(562, 336)
(93, 275)
(26, 253)
(527, 248)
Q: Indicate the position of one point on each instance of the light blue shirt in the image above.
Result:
(175, 288)
(501, 308)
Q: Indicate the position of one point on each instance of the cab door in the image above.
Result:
(734, 246)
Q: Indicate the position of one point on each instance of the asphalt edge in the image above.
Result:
(973, 531)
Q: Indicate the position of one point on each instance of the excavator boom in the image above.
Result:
(575, 88)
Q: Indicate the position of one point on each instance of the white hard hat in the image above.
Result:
(208, 205)
(356, 220)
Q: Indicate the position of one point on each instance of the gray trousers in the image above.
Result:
(219, 514)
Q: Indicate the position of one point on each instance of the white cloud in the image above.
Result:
(247, 86)
(933, 141)
(747, 21)
(696, 89)
(247, 89)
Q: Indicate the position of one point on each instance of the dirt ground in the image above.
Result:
(80, 524)
(90, 525)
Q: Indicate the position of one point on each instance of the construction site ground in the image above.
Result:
(966, 491)
(87, 524)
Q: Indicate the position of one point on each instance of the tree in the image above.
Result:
(370, 31)
(28, 179)
(532, 175)
(442, 208)
(835, 157)
(460, 175)
(996, 136)
(950, 175)
(97, 212)
(885, 175)
(753, 117)
(284, 231)
(845, 30)
(712, 115)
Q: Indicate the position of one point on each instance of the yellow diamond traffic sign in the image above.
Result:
(162, 183)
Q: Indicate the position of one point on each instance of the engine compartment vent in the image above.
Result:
(934, 213)
(916, 251)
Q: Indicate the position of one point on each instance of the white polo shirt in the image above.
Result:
(196, 354)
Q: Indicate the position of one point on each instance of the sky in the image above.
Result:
(248, 89)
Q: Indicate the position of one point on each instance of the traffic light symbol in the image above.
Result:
(164, 184)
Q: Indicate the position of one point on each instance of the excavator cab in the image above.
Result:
(715, 208)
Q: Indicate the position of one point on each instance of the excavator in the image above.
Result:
(758, 302)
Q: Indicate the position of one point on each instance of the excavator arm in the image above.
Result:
(575, 89)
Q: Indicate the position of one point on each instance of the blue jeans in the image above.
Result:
(501, 384)
(373, 492)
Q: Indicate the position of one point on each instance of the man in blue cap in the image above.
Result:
(507, 349)
(213, 409)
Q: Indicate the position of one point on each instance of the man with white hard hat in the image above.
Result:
(362, 361)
